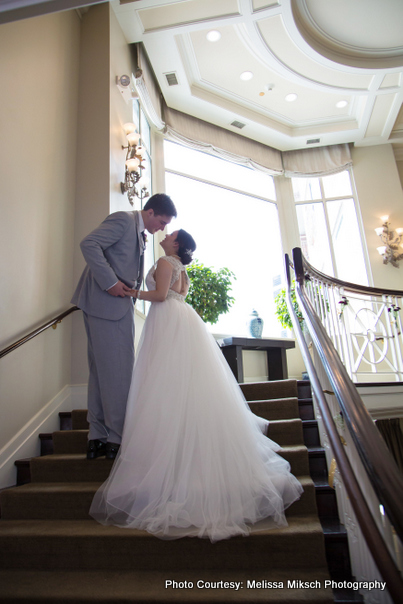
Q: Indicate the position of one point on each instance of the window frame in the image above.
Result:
(323, 200)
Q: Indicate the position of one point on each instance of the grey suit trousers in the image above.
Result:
(110, 360)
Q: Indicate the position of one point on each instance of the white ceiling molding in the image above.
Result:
(352, 98)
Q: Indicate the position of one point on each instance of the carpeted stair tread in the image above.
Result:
(69, 468)
(84, 544)
(71, 501)
(284, 432)
(48, 500)
(45, 525)
(262, 391)
(274, 409)
(122, 587)
(76, 467)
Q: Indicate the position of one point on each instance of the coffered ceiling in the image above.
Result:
(293, 73)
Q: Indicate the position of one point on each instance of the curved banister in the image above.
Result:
(378, 463)
(381, 469)
(368, 526)
(352, 287)
(37, 331)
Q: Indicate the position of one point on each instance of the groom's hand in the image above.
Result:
(119, 289)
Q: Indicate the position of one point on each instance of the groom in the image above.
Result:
(114, 253)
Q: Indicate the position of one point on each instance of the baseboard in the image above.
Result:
(26, 442)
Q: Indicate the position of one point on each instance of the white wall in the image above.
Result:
(102, 110)
(39, 60)
(380, 193)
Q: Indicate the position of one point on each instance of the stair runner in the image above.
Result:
(52, 551)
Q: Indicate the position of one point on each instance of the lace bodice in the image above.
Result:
(178, 268)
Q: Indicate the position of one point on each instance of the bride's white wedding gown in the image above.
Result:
(194, 459)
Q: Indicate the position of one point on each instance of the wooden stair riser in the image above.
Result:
(311, 433)
(318, 464)
(304, 389)
(338, 556)
(306, 410)
(326, 502)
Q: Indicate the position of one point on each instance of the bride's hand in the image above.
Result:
(132, 293)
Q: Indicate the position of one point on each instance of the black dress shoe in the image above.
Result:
(95, 448)
(111, 450)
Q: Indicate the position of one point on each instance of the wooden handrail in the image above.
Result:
(382, 472)
(352, 287)
(36, 332)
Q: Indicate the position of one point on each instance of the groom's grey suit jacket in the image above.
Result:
(113, 251)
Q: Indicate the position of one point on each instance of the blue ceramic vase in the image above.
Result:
(255, 325)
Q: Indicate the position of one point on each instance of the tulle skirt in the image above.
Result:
(194, 460)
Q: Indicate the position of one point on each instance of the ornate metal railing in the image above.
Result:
(368, 482)
(363, 323)
(51, 323)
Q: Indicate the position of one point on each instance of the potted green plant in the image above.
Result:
(209, 292)
(282, 311)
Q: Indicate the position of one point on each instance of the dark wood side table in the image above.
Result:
(276, 355)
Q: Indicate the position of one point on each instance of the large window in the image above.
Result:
(231, 212)
(328, 226)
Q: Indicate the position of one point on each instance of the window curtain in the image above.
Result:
(147, 88)
(203, 136)
(393, 436)
(319, 161)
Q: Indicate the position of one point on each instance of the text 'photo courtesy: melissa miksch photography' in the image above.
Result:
(273, 585)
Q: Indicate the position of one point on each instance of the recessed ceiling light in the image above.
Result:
(291, 97)
(213, 35)
(341, 104)
(246, 75)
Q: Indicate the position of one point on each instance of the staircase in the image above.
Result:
(51, 551)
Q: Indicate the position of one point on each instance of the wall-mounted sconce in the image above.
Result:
(135, 184)
(391, 240)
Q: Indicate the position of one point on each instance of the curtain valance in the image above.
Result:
(317, 162)
(203, 136)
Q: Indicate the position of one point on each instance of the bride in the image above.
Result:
(194, 460)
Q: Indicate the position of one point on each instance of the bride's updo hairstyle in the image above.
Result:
(187, 246)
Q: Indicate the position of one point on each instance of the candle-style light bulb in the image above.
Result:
(132, 164)
(133, 138)
(128, 128)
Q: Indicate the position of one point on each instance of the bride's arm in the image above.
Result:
(163, 274)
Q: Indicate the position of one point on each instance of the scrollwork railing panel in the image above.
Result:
(365, 329)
